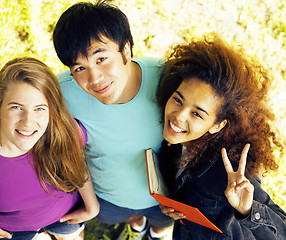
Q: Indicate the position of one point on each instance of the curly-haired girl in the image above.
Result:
(214, 106)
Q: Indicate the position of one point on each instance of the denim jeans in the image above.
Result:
(60, 229)
(113, 214)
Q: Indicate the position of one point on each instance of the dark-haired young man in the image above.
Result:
(113, 96)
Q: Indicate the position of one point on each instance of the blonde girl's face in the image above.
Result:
(191, 112)
(24, 119)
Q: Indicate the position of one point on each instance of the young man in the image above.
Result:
(114, 97)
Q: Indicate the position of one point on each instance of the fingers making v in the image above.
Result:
(242, 161)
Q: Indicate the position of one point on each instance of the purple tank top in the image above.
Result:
(24, 204)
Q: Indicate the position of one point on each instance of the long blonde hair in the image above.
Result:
(58, 155)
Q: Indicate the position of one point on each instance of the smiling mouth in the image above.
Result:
(104, 89)
(26, 133)
(176, 129)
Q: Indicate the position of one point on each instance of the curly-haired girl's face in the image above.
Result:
(191, 112)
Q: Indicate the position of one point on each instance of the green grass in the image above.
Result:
(96, 230)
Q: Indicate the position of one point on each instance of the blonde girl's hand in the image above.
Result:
(4, 234)
(90, 209)
(78, 216)
(171, 212)
(239, 191)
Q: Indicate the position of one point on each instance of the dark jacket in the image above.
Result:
(204, 189)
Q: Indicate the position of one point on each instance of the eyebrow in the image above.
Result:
(98, 50)
(13, 103)
(43, 104)
(197, 107)
(39, 105)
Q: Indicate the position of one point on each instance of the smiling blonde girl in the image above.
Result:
(41, 157)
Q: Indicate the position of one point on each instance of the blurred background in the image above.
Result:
(259, 26)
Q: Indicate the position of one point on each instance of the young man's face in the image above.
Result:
(104, 74)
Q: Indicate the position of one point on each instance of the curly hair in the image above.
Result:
(58, 157)
(242, 85)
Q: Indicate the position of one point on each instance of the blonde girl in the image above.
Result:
(44, 180)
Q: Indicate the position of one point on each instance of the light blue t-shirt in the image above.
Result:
(118, 134)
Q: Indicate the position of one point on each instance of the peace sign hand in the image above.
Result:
(239, 191)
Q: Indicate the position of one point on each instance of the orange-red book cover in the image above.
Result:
(159, 191)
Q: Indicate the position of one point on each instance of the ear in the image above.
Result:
(127, 52)
(217, 127)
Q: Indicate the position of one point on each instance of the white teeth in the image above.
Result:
(26, 133)
(175, 128)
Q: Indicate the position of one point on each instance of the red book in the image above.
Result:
(159, 191)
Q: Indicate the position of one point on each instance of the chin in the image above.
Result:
(170, 141)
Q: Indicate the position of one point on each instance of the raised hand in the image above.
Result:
(239, 191)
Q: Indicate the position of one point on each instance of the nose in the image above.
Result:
(27, 117)
(94, 76)
(181, 115)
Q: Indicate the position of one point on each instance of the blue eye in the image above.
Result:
(16, 107)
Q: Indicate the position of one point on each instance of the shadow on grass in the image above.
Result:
(96, 230)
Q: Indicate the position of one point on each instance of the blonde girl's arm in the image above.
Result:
(90, 209)
(4, 234)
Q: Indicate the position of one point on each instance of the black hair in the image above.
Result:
(84, 22)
